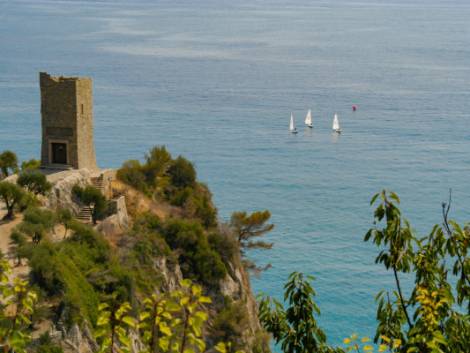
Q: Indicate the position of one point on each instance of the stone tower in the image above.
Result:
(67, 122)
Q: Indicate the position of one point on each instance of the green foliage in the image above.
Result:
(14, 323)
(247, 227)
(173, 180)
(47, 346)
(353, 344)
(114, 322)
(91, 196)
(37, 223)
(170, 323)
(97, 248)
(41, 216)
(22, 247)
(151, 176)
(35, 231)
(435, 316)
(55, 272)
(182, 173)
(225, 245)
(158, 159)
(146, 245)
(295, 328)
(80, 271)
(225, 348)
(250, 226)
(199, 205)
(197, 260)
(230, 324)
(8, 163)
(31, 164)
(65, 217)
(12, 195)
(35, 182)
(167, 323)
(132, 174)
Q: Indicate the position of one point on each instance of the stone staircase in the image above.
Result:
(85, 215)
(98, 183)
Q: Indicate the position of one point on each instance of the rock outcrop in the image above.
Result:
(62, 184)
(235, 286)
(118, 222)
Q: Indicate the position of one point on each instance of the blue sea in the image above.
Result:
(216, 81)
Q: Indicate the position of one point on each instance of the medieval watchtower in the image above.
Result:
(67, 122)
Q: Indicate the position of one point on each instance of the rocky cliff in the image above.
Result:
(232, 299)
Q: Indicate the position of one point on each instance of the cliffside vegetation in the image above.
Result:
(80, 276)
(246, 228)
(174, 180)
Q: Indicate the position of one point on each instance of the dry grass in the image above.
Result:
(138, 203)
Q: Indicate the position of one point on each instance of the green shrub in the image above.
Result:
(47, 346)
(157, 160)
(204, 210)
(132, 174)
(148, 246)
(65, 217)
(8, 163)
(28, 200)
(36, 232)
(22, 246)
(40, 216)
(145, 245)
(182, 173)
(37, 223)
(44, 271)
(98, 247)
(80, 299)
(179, 196)
(32, 164)
(81, 271)
(35, 182)
(147, 221)
(230, 323)
(196, 202)
(173, 180)
(197, 260)
(12, 196)
(225, 245)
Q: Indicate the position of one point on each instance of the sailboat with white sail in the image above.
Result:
(308, 119)
(336, 127)
(292, 127)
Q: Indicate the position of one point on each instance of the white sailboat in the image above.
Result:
(292, 124)
(336, 127)
(308, 119)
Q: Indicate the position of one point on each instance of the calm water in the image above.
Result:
(216, 81)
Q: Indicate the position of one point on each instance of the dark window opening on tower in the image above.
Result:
(81, 108)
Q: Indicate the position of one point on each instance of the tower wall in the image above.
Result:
(67, 122)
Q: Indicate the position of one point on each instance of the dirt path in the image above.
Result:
(5, 231)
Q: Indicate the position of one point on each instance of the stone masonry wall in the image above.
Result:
(86, 146)
(67, 117)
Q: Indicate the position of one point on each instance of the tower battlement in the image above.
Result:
(67, 122)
